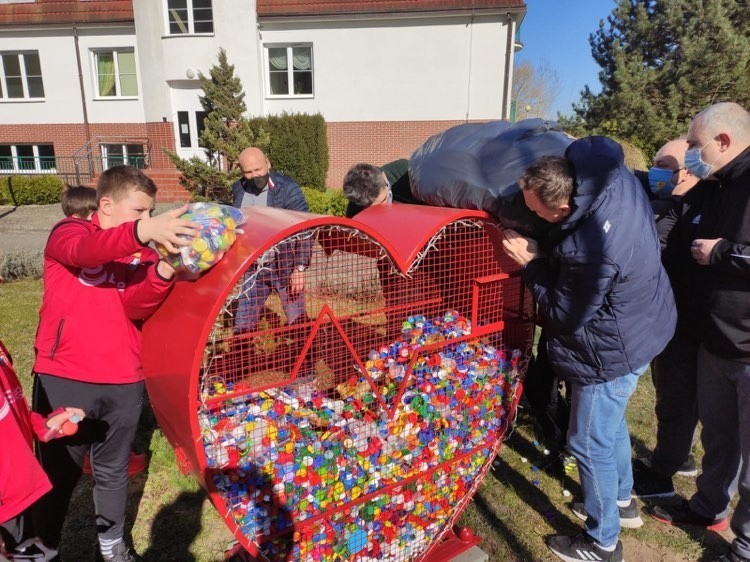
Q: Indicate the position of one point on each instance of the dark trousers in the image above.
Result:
(675, 375)
(112, 412)
(14, 531)
(542, 390)
(724, 408)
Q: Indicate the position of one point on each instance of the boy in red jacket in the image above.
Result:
(101, 281)
(22, 480)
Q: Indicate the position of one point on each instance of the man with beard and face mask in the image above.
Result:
(262, 187)
(710, 242)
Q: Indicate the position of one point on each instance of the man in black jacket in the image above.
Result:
(261, 186)
(607, 309)
(674, 369)
(710, 244)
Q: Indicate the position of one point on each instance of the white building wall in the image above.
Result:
(109, 110)
(398, 69)
(172, 58)
(57, 57)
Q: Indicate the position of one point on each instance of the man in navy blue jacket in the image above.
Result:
(607, 310)
(261, 186)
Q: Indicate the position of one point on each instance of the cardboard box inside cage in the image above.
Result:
(348, 411)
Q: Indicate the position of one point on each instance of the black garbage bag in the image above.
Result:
(477, 166)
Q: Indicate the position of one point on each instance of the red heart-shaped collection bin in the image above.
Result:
(348, 411)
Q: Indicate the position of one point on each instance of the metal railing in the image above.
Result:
(64, 166)
(98, 155)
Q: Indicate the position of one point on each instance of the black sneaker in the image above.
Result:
(731, 557)
(33, 549)
(681, 514)
(647, 483)
(581, 548)
(629, 516)
(688, 468)
(120, 553)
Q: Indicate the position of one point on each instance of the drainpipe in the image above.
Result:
(507, 91)
(86, 125)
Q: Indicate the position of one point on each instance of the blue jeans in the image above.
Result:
(598, 438)
(250, 305)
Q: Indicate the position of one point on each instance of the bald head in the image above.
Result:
(253, 163)
(722, 132)
(671, 157)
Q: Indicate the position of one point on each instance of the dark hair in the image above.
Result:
(363, 183)
(118, 181)
(79, 201)
(550, 178)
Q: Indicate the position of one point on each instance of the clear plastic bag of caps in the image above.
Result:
(218, 232)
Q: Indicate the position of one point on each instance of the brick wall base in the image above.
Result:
(375, 142)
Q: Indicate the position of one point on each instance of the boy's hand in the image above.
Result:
(165, 269)
(73, 415)
(166, 229)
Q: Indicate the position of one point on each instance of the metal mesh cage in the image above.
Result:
(353, 418)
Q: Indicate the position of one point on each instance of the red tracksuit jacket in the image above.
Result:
(99, 286)
(22, 480)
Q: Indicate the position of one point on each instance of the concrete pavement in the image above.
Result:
(26, 228)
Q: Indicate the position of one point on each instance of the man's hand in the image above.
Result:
(519, 248)
(166, 229)
(701, 250)
(297, 282)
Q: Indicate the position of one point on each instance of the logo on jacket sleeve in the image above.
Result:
(93, 276)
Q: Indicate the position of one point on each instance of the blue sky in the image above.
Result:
(557, 32)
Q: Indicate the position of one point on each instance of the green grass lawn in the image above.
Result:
(514, 509)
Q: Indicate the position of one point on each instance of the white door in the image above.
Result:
(187, 116)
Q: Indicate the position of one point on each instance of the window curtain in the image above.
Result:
(277, 59)
(302, 60)
(105, 63)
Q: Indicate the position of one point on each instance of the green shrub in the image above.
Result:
(634, 157)
(30, 190)
(298, 147)
(328, 202)
(21, 265)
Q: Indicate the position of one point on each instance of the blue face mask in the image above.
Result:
(660, 180)
(695, 164)
(389, 198)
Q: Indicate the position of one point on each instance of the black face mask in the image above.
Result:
(256, 184)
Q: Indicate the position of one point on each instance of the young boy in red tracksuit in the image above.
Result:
(101, 281)
(22, 480)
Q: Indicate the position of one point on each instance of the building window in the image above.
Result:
(115, 73)
(118, 154)
(21, 76)
(190, 16)
(290, 70)
(27, 159)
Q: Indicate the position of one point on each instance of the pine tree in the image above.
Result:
(227, 132)
(662, 61)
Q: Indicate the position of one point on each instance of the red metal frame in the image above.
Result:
(175, 337)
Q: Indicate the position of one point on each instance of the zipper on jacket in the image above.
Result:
(57, 338)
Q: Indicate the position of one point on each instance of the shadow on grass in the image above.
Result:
(529, 493)
(146, 426)
(510, 537)
(640, 449)
(165, 543)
